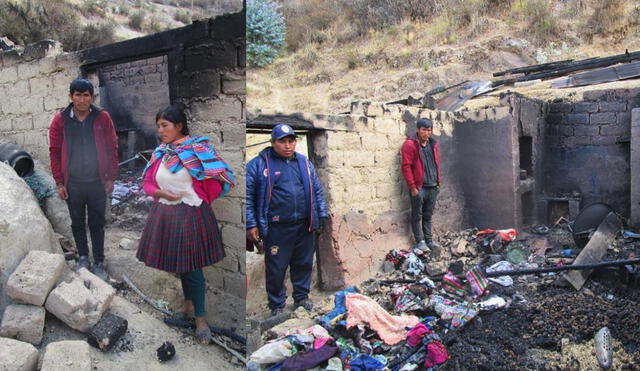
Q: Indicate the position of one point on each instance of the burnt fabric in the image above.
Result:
(288, 245)
(415, 335)
(87, 198)
(365, 362)
(180, 238)
(193, 286)
(304, 361)
(436, 354)
(391, 329)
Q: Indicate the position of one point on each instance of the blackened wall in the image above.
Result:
(587, 147)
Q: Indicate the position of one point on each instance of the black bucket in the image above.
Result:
(588, 221)
(17, 158)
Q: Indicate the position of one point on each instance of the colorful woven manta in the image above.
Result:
(477, 280)
(198, 157)
(452, 284)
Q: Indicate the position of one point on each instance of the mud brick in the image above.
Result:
(107, 331)
(23, 322)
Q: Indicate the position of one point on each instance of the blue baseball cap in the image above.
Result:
(282, 130)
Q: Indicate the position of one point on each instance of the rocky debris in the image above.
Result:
(20, 212)
(107, 331)
(17, 356)
(128, 244)
(34, 278)
(23, 322)
(81, 302)
(436, 268)
(70, 355)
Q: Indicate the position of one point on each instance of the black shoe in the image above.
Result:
(305, 303)
(99, 270)
(276, 311)
(83, 262)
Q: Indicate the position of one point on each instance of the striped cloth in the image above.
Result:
(199, 157)
(477, 280)
(180, 238)
(452, 284)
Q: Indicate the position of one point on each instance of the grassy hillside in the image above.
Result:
(80, 24)
(386, 49)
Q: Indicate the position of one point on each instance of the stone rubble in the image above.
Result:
(23, 322)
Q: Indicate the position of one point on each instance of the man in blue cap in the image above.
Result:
(421, 171)
(285, 204)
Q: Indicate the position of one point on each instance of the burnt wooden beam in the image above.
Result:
(574, 66)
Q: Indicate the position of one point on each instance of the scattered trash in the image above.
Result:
(501, 266)
(165, 352)
(492, 302)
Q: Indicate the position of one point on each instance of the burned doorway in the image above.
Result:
(133, 92)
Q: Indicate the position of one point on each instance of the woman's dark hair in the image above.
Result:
(175, 114)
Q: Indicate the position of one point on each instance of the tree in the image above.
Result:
(265, 32)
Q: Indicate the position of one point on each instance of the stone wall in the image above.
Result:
(587, 147)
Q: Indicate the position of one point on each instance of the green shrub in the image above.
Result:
(607, 17)
(94, 8)
(265, 32)
(541, 21)
(154, 25)
(182, 16)
(136, 20)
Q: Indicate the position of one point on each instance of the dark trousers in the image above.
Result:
(193, 287)
(422, 206)
(88, 199)
(288, 245)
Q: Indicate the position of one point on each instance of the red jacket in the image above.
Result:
(412, 168)
(106, 146)
(208, 190)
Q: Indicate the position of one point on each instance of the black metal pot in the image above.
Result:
(17, 158)
(588, 221)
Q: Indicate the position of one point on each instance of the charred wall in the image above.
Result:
(587, 150)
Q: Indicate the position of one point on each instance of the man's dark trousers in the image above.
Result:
(288, 244)
(92, 196)
(422, 206)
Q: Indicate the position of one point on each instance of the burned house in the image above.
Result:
(512, 159)
(201, 65)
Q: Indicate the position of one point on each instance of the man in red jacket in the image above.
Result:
(83, 149)
(421, 170)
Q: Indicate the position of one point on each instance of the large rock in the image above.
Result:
(23, 322)
(17, 356)
(70, 355)
(54, 207)
(81, 302)
(34, 278)
(20, 213)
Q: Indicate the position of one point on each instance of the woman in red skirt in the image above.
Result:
(185, 175)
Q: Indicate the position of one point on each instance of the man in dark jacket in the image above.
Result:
(421, 170)
(83, 149)
(285, 204)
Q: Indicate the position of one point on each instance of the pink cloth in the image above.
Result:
(436, 354)
(208, 190)
(320, 342)
(391, 329)
(415, 335)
